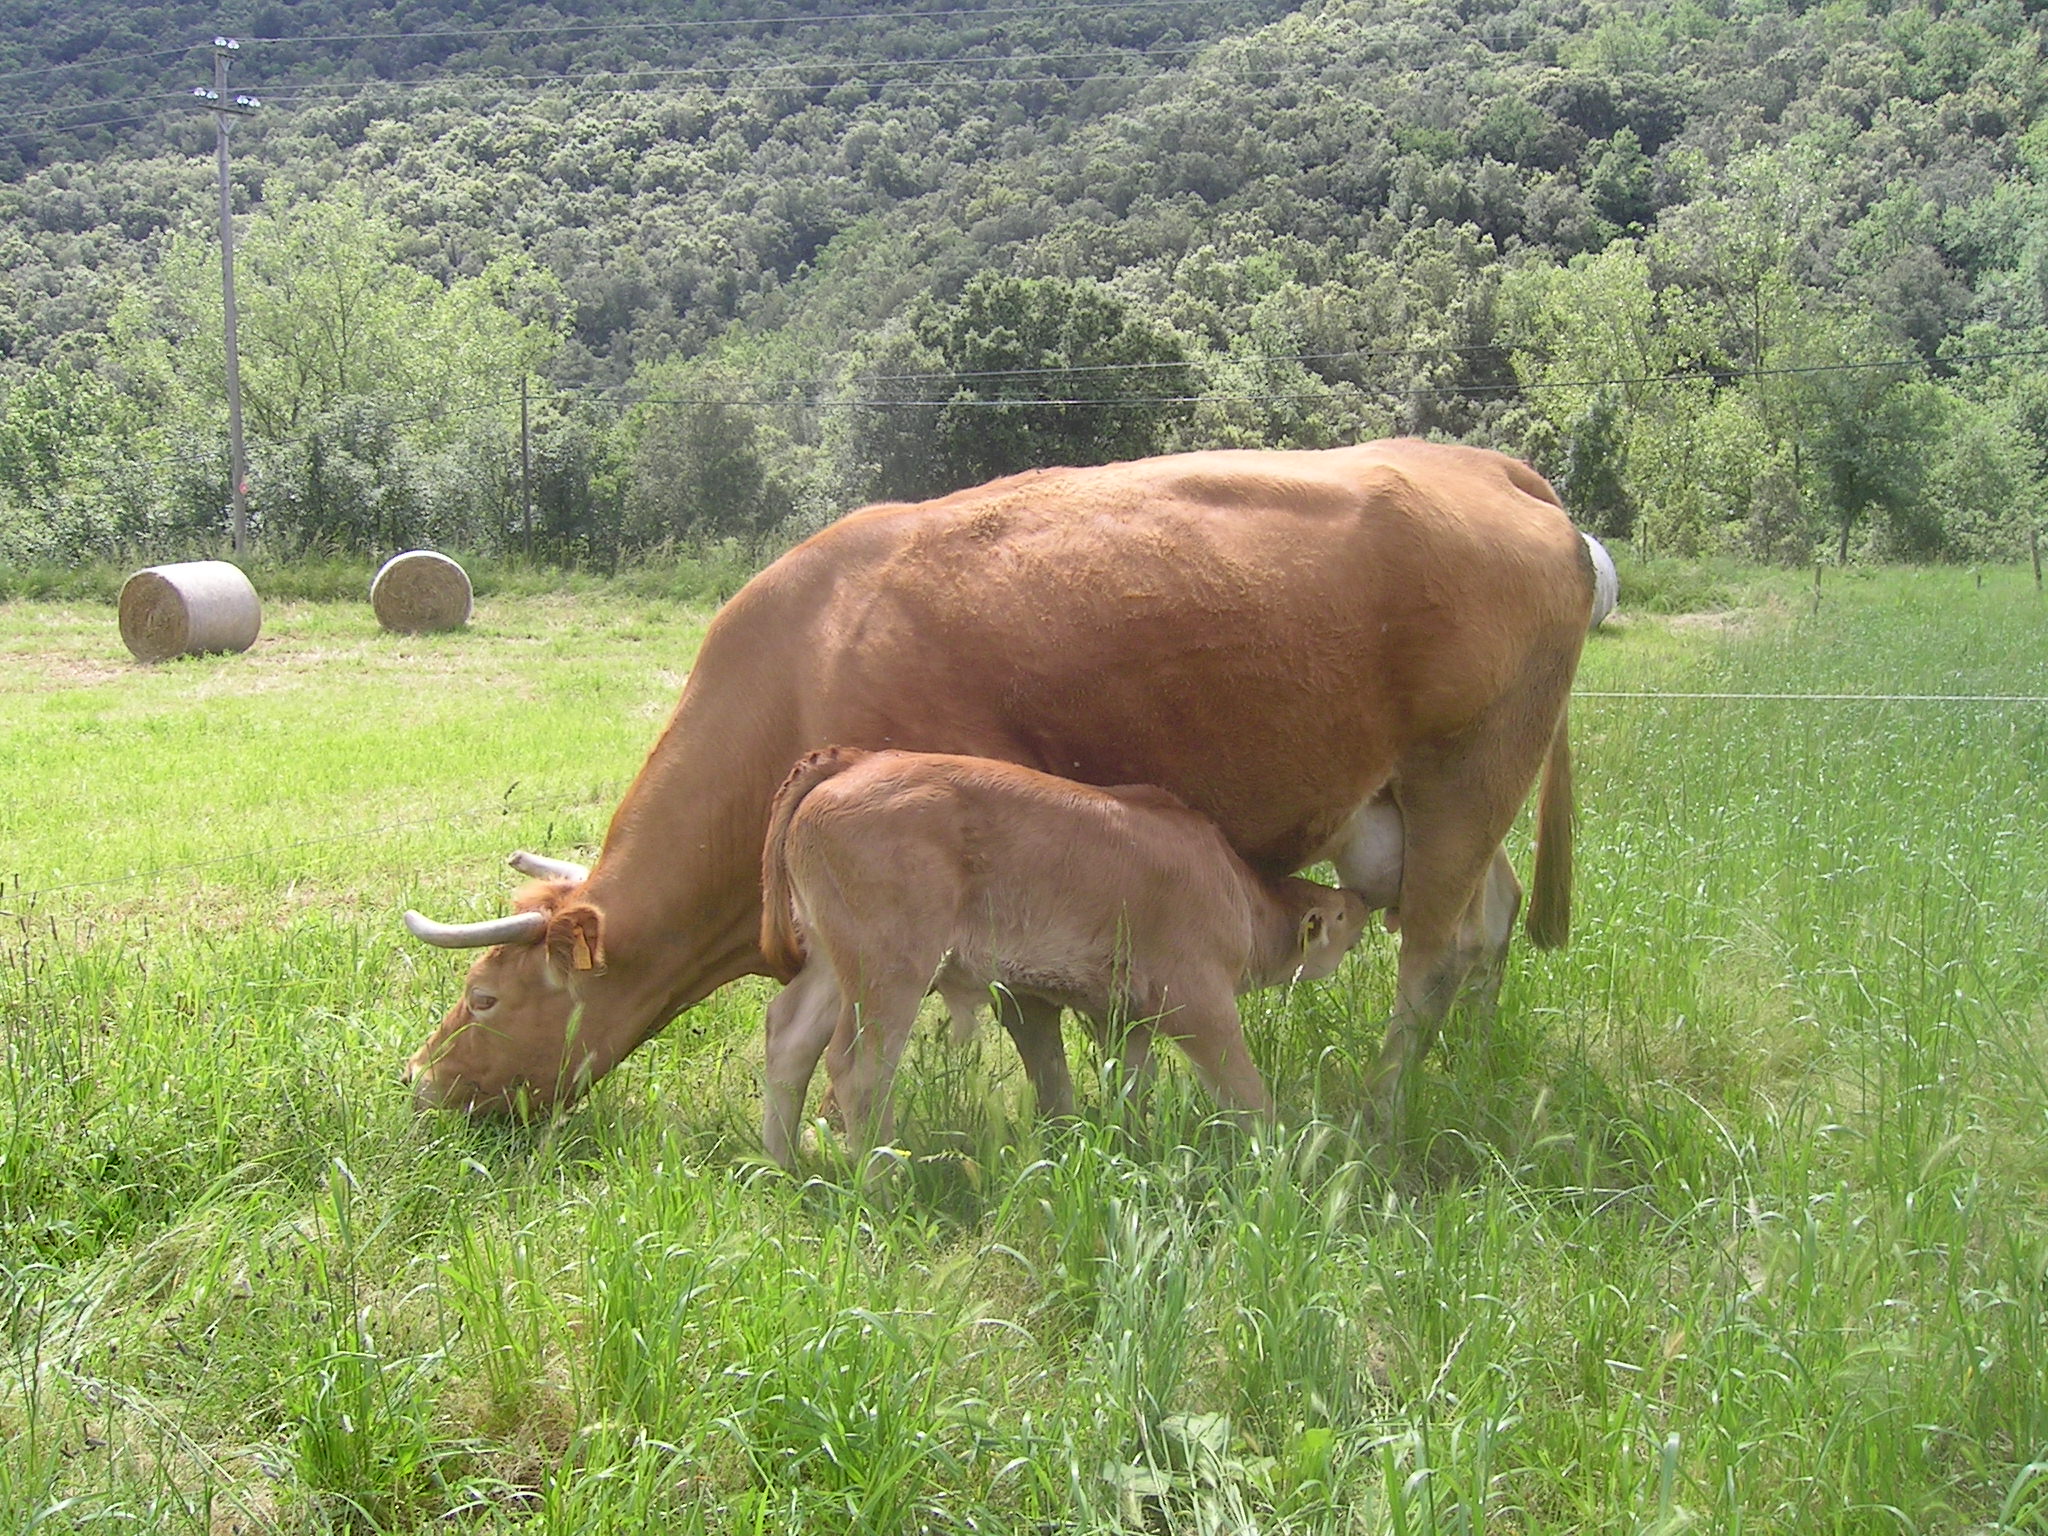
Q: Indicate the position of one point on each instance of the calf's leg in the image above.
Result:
(1034, 1024)
(867, 1043)
(800, 1021)
(1211, 1032)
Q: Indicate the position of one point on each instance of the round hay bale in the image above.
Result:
(192, 608)
(420, 590)
(1606, 584)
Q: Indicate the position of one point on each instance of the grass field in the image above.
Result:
(1735, 1220)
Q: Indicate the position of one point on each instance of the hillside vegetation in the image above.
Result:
(1747, 276)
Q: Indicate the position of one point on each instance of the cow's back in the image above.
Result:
(1264, 634)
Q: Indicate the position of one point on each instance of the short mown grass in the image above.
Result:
(1732, 1220)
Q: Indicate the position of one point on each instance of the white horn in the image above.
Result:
(543, 868)
(520, 928)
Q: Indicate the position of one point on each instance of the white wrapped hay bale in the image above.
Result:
(1606, 583)
(421, 590)
(189, 609)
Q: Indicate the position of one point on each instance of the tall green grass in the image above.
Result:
(1732, 1220)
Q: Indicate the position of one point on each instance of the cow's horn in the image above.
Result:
(543, 868)
(519, 928)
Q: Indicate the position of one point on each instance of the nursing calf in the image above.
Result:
(889, 875)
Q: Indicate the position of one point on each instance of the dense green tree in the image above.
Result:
(1593, 349)
(1033, 371)
(697, 468)
(1980, 494)
(330, 313)
(81, 468)
(358, 372)
(1868, 441)
(1618, 181)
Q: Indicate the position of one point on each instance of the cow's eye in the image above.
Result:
(482, 1002)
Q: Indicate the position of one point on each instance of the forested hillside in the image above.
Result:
(1739, 274)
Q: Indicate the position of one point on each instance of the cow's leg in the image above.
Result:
(801, 1018)
(1489, 923)
(1212, 1034)
(1034, 1024)
(1456, 806)
(1368, 855)
(873, 1028)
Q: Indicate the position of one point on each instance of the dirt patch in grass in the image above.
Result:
(54, 671)
(1731, 621)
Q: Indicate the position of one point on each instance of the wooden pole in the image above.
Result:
(2034, 544)
(525, 469)
(223, 114)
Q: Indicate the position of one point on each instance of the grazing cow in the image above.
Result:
(1283, 640)
(887, 875)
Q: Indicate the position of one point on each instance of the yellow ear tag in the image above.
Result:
(580, 954)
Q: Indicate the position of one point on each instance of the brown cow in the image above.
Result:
(1277, 638)
(887, 875)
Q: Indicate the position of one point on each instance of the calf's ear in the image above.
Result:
(1313, 924)
(576, 939)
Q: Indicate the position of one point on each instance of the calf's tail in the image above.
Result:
(1549, 923)
(781, 945)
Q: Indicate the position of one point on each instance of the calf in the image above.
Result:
(888, 875)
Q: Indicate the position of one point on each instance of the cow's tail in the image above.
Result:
(781, 946)
(1549, 923)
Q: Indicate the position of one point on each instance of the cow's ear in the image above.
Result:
(1312, 925)
(576, 939)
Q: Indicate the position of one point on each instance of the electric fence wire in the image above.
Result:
(812, 395)
(605, 795)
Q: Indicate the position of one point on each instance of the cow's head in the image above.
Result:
(511, 1044)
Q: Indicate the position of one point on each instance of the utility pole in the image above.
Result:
(224, 113)
(526, 469)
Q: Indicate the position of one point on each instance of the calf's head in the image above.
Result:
(514, 1042)
(1327, 924)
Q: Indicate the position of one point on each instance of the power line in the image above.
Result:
(736, 26)
(735, 23)
(813, 393)
(437, 412)
(161, 102)
(118, 58)
(708, 72)
(473, 86)
(1254, 359)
